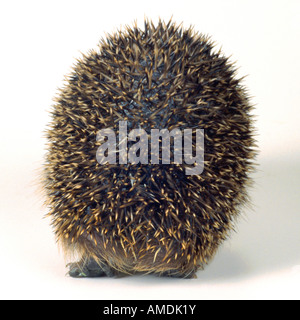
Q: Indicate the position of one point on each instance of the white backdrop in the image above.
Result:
(40, 40)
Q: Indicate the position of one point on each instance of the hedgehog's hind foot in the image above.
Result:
(89, 267)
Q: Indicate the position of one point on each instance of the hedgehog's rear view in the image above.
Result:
(124, 217)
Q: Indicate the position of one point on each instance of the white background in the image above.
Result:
(40, 40)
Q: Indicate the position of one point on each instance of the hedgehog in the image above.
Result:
(126, 218)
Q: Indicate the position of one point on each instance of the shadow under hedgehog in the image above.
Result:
(127, 218)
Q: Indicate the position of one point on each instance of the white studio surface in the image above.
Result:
(40, 40)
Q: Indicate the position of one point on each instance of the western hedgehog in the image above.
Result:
(125, 217)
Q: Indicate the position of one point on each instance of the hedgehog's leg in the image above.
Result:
(89, 267)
